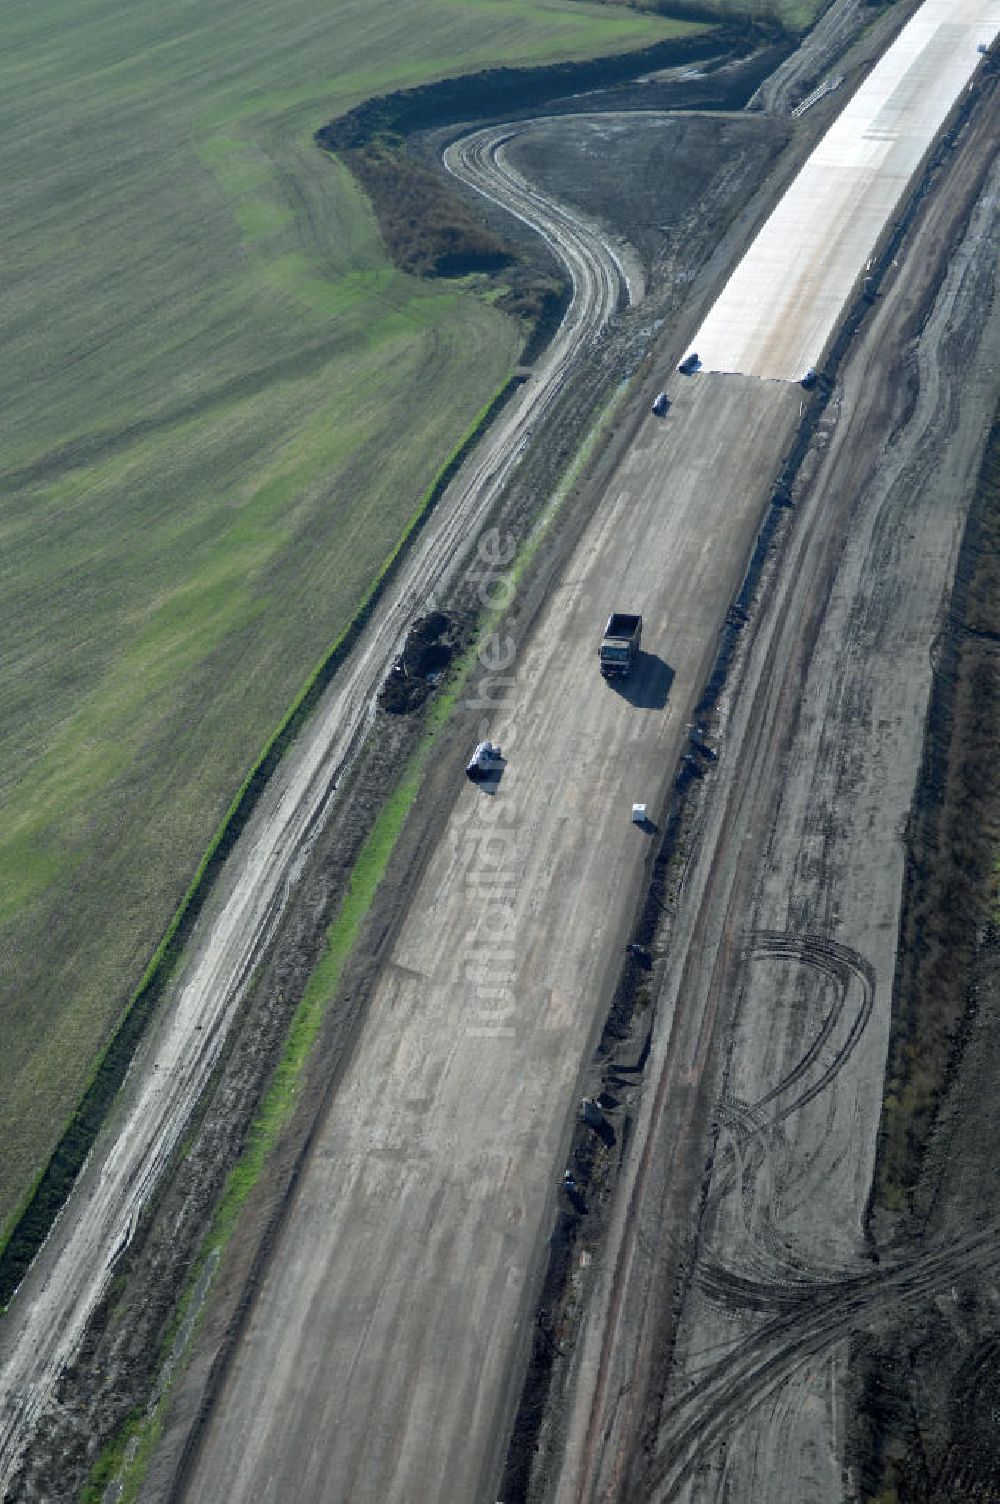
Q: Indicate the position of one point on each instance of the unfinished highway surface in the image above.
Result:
(380, 1354)
(376, 1363)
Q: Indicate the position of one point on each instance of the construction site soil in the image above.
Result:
(926, 1388)
(741, 1340)
(115, 1375)
(920, 1410)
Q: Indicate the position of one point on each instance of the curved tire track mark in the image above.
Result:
(841, 963)
(819, 1315)
(751, 1129)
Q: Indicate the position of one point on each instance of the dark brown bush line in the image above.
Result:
(950, 894)
(426, 228)
(510, 92)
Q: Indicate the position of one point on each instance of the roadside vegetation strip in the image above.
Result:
(109, 1471)
(124, 1461)
(28, 1228)
(951, 893)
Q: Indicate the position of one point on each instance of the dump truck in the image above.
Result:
(620, 645)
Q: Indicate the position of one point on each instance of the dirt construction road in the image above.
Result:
(769, 1059)
(377, 1357)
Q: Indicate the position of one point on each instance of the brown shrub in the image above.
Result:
(427, 229)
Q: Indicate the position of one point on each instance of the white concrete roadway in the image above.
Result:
(783, 302)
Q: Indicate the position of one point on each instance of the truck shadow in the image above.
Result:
(488, 782)
(648, 685)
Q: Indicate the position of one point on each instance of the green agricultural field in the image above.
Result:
(220, 405)
(794, 15)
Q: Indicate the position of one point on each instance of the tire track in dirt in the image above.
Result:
(480, 161)
(753, 1132)
(815, 1316)
(842, 964)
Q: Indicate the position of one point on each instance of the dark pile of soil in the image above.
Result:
(427, 652)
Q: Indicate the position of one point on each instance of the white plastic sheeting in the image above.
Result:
(780, 307)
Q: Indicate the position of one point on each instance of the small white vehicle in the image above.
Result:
(485, 762)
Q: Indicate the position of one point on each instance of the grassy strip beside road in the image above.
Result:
(279, 1100)
(125, 1460)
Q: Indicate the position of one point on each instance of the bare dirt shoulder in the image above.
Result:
(926, 1388)
(879, 410)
